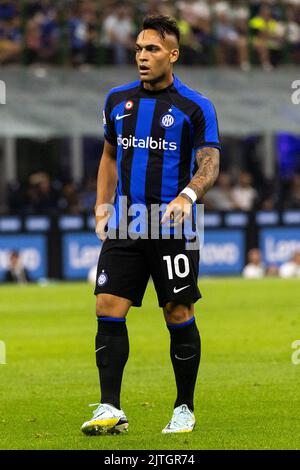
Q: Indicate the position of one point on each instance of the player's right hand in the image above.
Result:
(102, 216)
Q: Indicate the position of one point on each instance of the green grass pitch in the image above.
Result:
(247, 395)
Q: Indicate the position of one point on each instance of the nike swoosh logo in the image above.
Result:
(175, 290)
(184, 358)
(99, 349)
(121, 117)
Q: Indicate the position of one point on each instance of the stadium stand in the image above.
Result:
(90, 32)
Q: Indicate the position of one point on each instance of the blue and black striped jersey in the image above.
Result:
(157, 135)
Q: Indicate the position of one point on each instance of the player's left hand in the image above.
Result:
(177, 210)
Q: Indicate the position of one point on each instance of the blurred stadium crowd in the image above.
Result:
(97, 32)
(254, 268)
(43, 195)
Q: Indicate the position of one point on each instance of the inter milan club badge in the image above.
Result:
(167, 120)
(102, 279)
(129, 105)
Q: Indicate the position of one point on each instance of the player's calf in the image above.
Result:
(185, 354)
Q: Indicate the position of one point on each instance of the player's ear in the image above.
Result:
(174, 55)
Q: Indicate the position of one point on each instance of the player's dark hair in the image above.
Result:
(163, 25)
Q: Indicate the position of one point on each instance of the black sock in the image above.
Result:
(112, 349)
(185, 355)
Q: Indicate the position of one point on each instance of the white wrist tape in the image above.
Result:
(190, 193)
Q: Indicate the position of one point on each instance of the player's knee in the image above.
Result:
(103, 305)
(109, 305)
(178, 313)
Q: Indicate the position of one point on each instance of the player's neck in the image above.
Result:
(159, 85)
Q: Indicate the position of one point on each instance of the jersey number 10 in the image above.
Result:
(177, 267)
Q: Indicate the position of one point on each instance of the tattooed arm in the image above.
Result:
(208, 159)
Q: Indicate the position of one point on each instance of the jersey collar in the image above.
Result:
(175, 84)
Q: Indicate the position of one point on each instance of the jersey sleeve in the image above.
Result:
(108, 122)
(205, 126)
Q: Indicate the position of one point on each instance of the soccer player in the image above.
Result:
(154, 130)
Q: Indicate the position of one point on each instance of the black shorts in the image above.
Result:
(125, 266)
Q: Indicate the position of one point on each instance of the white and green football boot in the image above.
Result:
(183, 420)
(106, 420)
